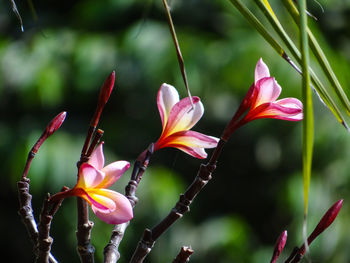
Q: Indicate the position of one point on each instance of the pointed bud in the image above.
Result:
(55, 124)
(326, 220)
(106, 89)
(105, 93)
(324, 223)
(280, 243)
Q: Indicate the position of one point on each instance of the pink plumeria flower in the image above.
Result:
(178, 117)
(93, 181)
(261, 100)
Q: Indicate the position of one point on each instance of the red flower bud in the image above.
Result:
(55, 124)
(105, 93)
(280, 243)
(324, 223)
(326, 220)
(106, 89)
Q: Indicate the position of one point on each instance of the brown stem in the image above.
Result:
(26, 213)
(184, 255)
(85, 249)
(89, 135)
(111, 253)
(44, 239)
(25, 198)
(84, 226)
(182, 206)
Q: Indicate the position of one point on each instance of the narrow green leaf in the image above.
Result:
(308, 121)
(321, 57)
(177, 47)
(258, 26)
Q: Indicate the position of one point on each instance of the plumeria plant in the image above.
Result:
(178, 118)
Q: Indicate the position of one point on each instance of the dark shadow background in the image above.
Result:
(62, 58)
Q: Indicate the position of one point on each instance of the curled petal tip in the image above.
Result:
(261, 71)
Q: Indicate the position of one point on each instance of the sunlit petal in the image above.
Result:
(166, 99)
(113, 172)
(261, 71)
(100, 202)
(182, 117)
(97, 158)
(268, 90)
(192, 139)
(193, 151)
(89, 176)
(276, 111)
(119, 208)
(290, 103)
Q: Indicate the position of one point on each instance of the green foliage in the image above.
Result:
(61, 60)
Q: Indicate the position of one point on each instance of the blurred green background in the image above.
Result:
(62, 58)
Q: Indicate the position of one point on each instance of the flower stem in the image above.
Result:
(111, 253)
(184, 255)
(182, 206)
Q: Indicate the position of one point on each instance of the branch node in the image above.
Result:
(147, 241)
(183, 205)
(130, 189)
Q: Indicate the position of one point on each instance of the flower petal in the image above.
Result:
(190, 139)
(275, 111)
(119, 208)
(100, 202)
(267, 90)
(193, 151)
(97, 158)
(290, 103)
(89, 176)
(182, 117)
(261, 71)
(167, 97)
(113, 172)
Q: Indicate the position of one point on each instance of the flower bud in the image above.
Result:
(326, 220)
(105, 93)
(106, 89)
(324, 223)
(55, 124)
(280, 243)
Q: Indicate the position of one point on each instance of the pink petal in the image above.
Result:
(267, 90)
(261, 71)
(113, 172)
(89, 176)
(100, 202)
(182, 117)
(290, 103)
(97, 158)
(190, 139)
(276, 111)
(193, 151)
(166, 99)
(119, 208)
